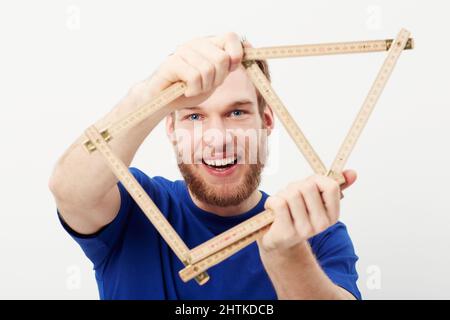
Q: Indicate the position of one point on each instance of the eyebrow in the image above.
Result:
(232, 104)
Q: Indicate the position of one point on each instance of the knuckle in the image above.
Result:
(269, 202)
(222, 59)
(334, 219)
(194, 77)
(333, 186)
(207, 69)
(277, 202)
(321, 225)
(195, 41)
(303, 231)
(309, 186)
(172, 59)
(279, 205)
(231, 36)
(292, 194)
(181, 49)
(307, 230)
(190, 92)
(292, 185)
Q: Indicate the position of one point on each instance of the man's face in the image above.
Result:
(221, 144)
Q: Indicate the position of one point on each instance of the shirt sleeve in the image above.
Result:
(97, 246)
(336, 255)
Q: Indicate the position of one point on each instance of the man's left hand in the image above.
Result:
(303, 209)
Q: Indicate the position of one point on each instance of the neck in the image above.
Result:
(242, 207)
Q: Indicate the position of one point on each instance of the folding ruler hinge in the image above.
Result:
(409, 44)
(248, 63)
(202, 278)
(336, 176)
(90, 147)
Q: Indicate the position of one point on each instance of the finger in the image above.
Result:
(233, 47)
(218, 41)
(298, 210)
(197, 61)
(216, 56)
(315, 206)
(282, 226)
(179, 69)
(331, 196)
(350, 177)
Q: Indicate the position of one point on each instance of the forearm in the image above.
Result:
(297, 275)
(85, 177)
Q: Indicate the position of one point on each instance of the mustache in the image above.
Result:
(241, 155)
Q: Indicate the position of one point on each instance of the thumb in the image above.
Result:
(350, 177)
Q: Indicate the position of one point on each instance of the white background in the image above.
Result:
(65, 63)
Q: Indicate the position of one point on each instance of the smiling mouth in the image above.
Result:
(220, 164)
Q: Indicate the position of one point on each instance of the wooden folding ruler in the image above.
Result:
(217, 249)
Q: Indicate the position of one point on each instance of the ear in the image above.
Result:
(268, 119)
(170, 125)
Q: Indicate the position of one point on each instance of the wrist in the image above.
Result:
(141, 93)
(300, 254)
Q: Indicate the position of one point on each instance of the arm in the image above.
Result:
(84, 188)
(297, 275)
(302, 210)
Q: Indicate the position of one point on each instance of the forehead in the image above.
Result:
(236, 87)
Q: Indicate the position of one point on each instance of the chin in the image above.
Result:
(221, 190)
(226, 188)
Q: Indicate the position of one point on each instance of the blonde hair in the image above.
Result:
(264, 66)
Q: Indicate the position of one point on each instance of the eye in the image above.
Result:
(237, 113)
(194, 117)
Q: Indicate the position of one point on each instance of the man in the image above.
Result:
(306, 253)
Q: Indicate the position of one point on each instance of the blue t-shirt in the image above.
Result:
(132, 261)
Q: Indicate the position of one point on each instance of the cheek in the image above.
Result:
(197, 145)
(185, 142)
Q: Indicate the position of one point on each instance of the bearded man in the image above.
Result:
(219, 130)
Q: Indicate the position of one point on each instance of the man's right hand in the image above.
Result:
(202, 63)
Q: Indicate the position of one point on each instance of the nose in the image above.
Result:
(216, 136)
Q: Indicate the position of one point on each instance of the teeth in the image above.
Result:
(220, 162)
